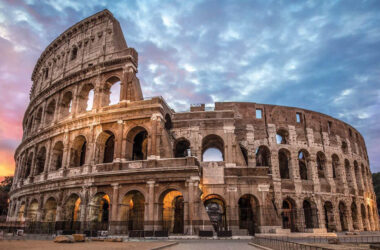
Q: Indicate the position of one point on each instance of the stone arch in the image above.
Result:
(99, 208)
(66, 104)
(357, 175)
(38, 119)
(329, 216)
(50, 210)
(364, 217)
(49, 112)
(85, 98)
(303, 164)
(171, 211)
(263, 156)
(347, 168)
(343, 215)
(28, 167)
(283, 162)
(33, 210)
(216, 209)
(105, 147)
(182, 148)
(213, 141)
(72, 207)
(40, 161)
(57, 156)
(289, 214)
(137, 144)
(321, 164)
(354, 215)
(344, 147)
(168, 122)
(282, 136)
(249, 214)
(78, 151)
(111, 91)
(335, 165)
(133, 210)
(21, 212)
(310, 212)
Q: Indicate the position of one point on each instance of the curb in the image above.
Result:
(165, 246)
(259, 246)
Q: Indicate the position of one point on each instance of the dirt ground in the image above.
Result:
(44, 244)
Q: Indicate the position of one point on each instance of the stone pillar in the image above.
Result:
(47, 161)
(149, 224)
(314, 173)
(119, 141)
(66, 150)
(114, 221)
(40, 209)
(33, 167)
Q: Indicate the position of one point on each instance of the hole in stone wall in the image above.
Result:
(262, 157)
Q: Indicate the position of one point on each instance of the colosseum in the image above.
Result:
(133, 166)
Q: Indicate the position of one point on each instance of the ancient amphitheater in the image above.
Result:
(135, 166)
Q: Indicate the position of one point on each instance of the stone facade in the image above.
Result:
(138, 165)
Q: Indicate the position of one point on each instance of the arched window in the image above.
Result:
(347, 168)
(321, 160)
(335, 165)
(74, 53)
(66, 104)
(86, 98)
(310, 214)
(40, 160)
(78, 152)
(212, 148)
(49, 113)
(182, 148)
(57, 155)
(303, 163)
(282, 136)
(262, 156)
(137, 144)
(283, 161)
(344, 147)
(105, 147)
(28, 166)
(288, 214)
(111, 91)
(38, 119)
(343, 216)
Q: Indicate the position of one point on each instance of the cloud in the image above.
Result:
(321, 56)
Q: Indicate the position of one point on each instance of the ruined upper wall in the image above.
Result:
(93, 40)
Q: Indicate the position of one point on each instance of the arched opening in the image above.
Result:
(105, 147)
(38, 119)
(349, 178)
(248, 213)
(66, 104)
(111, 91)
(364, 217)
(137, 144)
(21, 213)
(30, 124)
(289, 214)
(40, 161)
(344, 147)
(303, 164)
(357, 176)
(321, 161)
(335, 165)
(172, 211)
(49, 112)
(28, 166)
(364, 176)
(32, 211)
(99, 209)
(283, 162)
(216, 210)
(50, 210)
(212, 148)
(132, 210)
(343, 216)
(310, 214)
(263, 156)
(182, 148)
(72, 212)
(78, 152)
(168, 122)
(329, 217)
(354, 215)
(57, 155)
(245, 154)
(74, 53)
(282, 136)
(86, 98)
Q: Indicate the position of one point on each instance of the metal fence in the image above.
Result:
(278, 244)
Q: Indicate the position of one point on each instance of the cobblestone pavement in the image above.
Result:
(213, 245)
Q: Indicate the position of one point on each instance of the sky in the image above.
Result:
(320, 55)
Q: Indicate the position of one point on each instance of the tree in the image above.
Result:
(5, 187)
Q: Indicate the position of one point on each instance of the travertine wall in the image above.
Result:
(138, 145)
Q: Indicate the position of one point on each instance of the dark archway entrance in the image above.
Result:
(248, 213)
(329, 217)
(216, 210)
(343, 216)
(172, 212)
(133, 209)
(288, 215)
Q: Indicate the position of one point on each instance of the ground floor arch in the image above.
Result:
(343, 216)
(172, 211)
(248, 213)
(21, 213)
(50, 210)
(364, 217)
(329, 217)
(354, 215)
(99, 207)
(310, 212)
(133, 210)
(216, 210)
(72, 208)
(289, 214)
